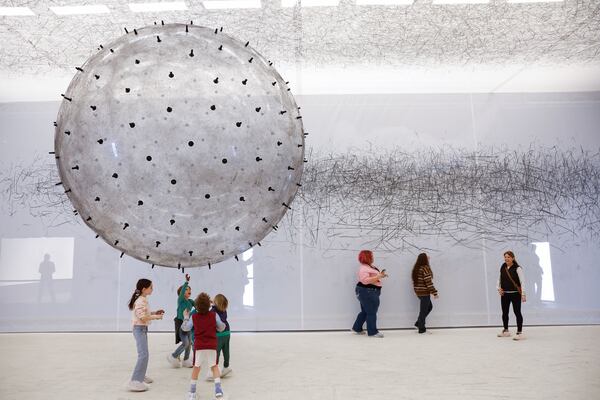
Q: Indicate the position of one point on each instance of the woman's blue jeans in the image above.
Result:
(369, 304)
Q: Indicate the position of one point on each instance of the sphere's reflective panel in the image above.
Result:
(179, 146)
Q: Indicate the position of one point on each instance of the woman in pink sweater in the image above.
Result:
(367, 291)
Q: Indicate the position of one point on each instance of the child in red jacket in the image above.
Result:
(206, 323)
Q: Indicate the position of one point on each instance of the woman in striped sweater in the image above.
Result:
(423, 284)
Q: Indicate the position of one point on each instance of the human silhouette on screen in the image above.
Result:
(46, 271)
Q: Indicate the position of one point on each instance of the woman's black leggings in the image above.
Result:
(515, 299)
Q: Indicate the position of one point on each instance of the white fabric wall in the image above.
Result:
(303, 276)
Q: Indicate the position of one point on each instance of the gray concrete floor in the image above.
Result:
(552, 363)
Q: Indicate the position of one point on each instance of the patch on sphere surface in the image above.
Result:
(179, 145)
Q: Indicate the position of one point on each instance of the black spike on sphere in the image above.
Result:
(264, 220)
(125, 225)
(147, 257)
(67, 98)
(238, 124)
(236, 258)
(191, 252)
(112, 51)
(115, 175)
(237, 228)
(97, 236)
(93, 108)
(132, 124)
(221, 47)
(172, 222)
(97, 198)
(152, 266)
(68, 191)
(298, 184)
(213, 107)
(257, 109)
(290, 168)
(140, 203)
(122, 254)
(274, 83)
(97, 77)
(51, 152)
(216, 80)
(169, 109)
(58, 184)
(282, 112)
(258, 159)
(67, 133)
(178, 265)
(205, 230)
(242, 198)
(250, 244)
(55, 124)
(250, 60)
(299, 117)
(191, 53)
(221, 30)
(223, 252)
(216, 31)
(171, 75)
(274, 227)
(286, 206)
(126, 31)
(191, 22)
(79, 69)
(244, 81)
(116, 242)
(162, 22)
(183, 270)
(127, 90)
(137, 61)
(135, 31)
(208, 265)
(186, 29)
(247, 43)
(279, 143)
(75, 167)
(305, 160)
(271, 189)
(157, 243)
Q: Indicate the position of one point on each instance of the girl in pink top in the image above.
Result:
(367, 291)
(141, 317)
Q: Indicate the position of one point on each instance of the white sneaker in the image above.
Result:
(504, 333)
(173, 361)
(519, 336)
(147, 379)
(226, 371)
(136, 386)
(191, 396)
(377, 335)
(187, 363)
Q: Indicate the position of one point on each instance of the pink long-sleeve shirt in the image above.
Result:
(366, 272)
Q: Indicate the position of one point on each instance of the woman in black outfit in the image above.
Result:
(511, 283)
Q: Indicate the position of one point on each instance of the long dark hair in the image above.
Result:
(141, 284)
(421, 260)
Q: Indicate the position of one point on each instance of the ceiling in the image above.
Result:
(346, 48)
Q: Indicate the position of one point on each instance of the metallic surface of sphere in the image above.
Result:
(179, 145)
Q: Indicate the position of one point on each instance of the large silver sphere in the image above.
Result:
(179, 145)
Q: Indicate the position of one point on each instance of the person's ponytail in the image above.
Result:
(141, 284)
